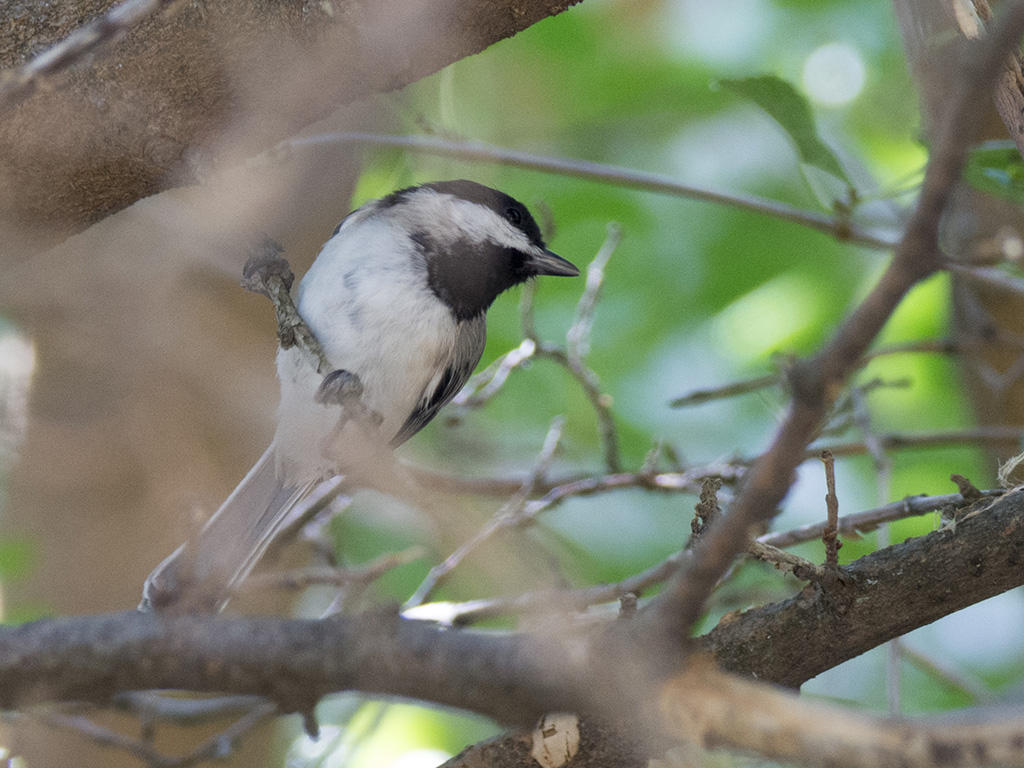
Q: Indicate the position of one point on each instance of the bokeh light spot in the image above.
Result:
(834, 74)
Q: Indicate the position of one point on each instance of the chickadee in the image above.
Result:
(397, 298)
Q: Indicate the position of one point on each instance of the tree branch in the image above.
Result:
(173, 88)
(886, 594)
(512, 677)
(817, 382)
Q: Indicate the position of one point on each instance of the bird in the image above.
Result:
(397, 298)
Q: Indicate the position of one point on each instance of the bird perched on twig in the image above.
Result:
(397, 299)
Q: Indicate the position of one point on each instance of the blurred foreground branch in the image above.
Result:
(513, 677)
(156, 96)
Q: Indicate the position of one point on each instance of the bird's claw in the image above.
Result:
(345, 389)
(265, 265)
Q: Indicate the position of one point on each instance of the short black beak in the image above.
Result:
(548, 263)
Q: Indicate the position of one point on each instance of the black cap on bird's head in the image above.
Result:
(477, 242)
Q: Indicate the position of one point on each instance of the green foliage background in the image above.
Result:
(697, 295)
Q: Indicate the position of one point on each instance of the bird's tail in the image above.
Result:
(200, 575)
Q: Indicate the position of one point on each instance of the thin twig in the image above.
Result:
(629, 178)
(483, 386)
(571, 357)
(553, 601)
(882, 464)
(701, 396)
(578, 337)
(685, 482)
(217, 746)
(787, 562)
(268, 274)
(300, 578)
(18, 83)
(980, 435)
(681, 480)
(949, 677)
(564, 600)
(830, 536)
(736, 388)
(184, 712)
(600, 402)
(510, 514)
(869, 520)
(688, 481)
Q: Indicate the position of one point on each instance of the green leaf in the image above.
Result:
(791, 111)
(997, 168)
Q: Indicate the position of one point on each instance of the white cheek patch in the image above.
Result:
(482, 224)
(464, 219)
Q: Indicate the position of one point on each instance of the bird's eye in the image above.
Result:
(514, 216)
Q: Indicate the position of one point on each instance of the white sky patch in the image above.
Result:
(834, 74)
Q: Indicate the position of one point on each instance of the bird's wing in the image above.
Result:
(453, 374)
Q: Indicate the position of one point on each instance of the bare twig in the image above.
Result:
(830, 537)
(701, 396)
(787, 562)
(548, 601)
(173, 709)
(948, 677)
(681, 480)
(511, 514)
(705, 706)
(869, 520)
(301, 578)
(562, 600)
(483, 386)
(981, 435)
(18, 83)
(578, 337)
(217, 746)
(625, 177)
(685, 482)
(688, 480)
(736, 388)
(601, 402)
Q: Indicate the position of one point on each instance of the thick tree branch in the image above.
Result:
(155, 103)
(886, 594)
(511, 677)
